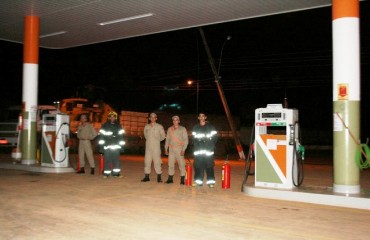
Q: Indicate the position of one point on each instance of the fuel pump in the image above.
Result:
(54, 140)
(278, 153)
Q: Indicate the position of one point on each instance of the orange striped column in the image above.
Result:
(346, 95)
(30, 89)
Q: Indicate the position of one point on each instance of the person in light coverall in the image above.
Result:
(175, 146)
(204, 139)
(85, 133)
(111, 145)
(154, 134)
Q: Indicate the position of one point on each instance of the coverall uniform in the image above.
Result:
(153, 135)
(111, 145)
(205, 138)
(85, 134)
(176, 141)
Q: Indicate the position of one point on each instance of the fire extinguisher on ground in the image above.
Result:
(226, 175)
(101, 162)
(78, 167)
(188, 173)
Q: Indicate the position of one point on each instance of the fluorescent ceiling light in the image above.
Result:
(52, 34)
(127, 19)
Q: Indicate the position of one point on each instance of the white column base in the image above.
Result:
(346, 189)
(28, 162)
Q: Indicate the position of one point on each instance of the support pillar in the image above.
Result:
(346, 95)
(30, 89)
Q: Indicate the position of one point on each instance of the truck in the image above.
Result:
(133, 122)
(10, 129)
(9, 134)
(97, 112)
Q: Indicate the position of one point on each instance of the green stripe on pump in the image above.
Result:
(264, 169)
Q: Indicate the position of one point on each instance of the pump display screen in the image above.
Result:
(271, 115)
(49, 119)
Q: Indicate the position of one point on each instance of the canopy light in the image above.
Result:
(126, 19)
(53, 34)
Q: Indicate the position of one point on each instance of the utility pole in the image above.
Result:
(223, 99)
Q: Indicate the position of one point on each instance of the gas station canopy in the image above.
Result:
(72, 23)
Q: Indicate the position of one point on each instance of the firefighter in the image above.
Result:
(85, 133)
(175, 146)
(204, 139)
(111, 145)
(154, 134)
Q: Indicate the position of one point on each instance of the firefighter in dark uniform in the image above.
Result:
(204, 140)
(111, 145)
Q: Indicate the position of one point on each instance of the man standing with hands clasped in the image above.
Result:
(154, 134)
(85, 133)
(175, 146)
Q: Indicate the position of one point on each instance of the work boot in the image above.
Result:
(197, 183)
(182, 181)
(92, 171)
(118, 175)
(82, 170)
(169, 180)
(159, 178)
(146, 178)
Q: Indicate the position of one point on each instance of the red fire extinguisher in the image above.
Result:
(78, 167)
(101, 160)
(188, 173)
(226, 175)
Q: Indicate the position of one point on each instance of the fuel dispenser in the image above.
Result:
(54, 140)
(278, 152)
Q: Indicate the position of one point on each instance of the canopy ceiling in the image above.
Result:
(71, 23)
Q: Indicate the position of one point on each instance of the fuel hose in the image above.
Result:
(298, 159)
(362, 150)
(361, 160)
(248, 162)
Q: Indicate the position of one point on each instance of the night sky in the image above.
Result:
(267, 59)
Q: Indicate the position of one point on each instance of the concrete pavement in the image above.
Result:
(38, 205)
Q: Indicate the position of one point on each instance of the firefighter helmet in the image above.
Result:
(112, 113)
